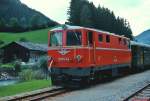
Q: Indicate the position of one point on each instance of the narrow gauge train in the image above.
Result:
(78, 55)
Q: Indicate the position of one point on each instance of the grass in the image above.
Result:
(38, 36)
(23, 87)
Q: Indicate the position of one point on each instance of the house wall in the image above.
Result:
(36, 56)
(14, 51)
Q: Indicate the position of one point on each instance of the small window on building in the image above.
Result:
(100, 38)
(107, 38)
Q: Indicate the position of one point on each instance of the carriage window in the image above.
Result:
(107, 38)
(100, 37)
(74, 38)
(56, 39)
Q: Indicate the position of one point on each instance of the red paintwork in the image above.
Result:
(100, 54)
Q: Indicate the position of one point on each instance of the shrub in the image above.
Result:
(29, 74)
(26, 75)
(1, 42)
(22, 39)
(43, 66)
(38, 75)
(17, 66)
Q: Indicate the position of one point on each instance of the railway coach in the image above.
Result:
(78, 55)
(140, 55)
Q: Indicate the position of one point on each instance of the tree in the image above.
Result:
(86, 16)
(75, 10)
(2, 24)
(14, 22)
(34, 21)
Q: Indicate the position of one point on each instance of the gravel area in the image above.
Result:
(111, 91)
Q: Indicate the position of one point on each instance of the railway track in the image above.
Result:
(38, 95)
(140, 95)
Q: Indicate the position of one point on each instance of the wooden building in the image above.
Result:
(25, 51)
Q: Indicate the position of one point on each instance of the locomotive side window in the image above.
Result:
(107, 38)
(90, 37)
(74, 38)
(100, 38)
(119, 40)
(124, 42)
(55, 39)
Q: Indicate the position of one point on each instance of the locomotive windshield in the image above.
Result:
(56, 39)
(73, 38)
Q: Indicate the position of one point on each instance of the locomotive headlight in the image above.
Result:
(78, 58)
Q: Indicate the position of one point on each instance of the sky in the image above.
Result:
(135, 11)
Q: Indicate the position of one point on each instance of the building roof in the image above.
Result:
(139, 44)
(30, 46)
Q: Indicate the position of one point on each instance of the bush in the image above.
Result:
(17, 66)
(43, 66)
(29, 74)
(26, 75)
(22, 39)
(38, 75)
(1, 42)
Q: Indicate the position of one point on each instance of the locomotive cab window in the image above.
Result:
(73, 38)
(55, 39)
(107, 38)
(100, 38)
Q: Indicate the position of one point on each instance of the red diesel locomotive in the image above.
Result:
(78, 55)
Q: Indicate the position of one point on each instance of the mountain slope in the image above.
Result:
(15, 9)
(144, 37)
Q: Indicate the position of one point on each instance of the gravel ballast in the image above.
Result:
(115, 90)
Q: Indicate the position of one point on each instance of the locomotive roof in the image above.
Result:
(139, 44)
(62, 27)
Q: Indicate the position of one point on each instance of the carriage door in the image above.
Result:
(90, 42)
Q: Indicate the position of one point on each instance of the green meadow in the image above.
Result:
(38, 36)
